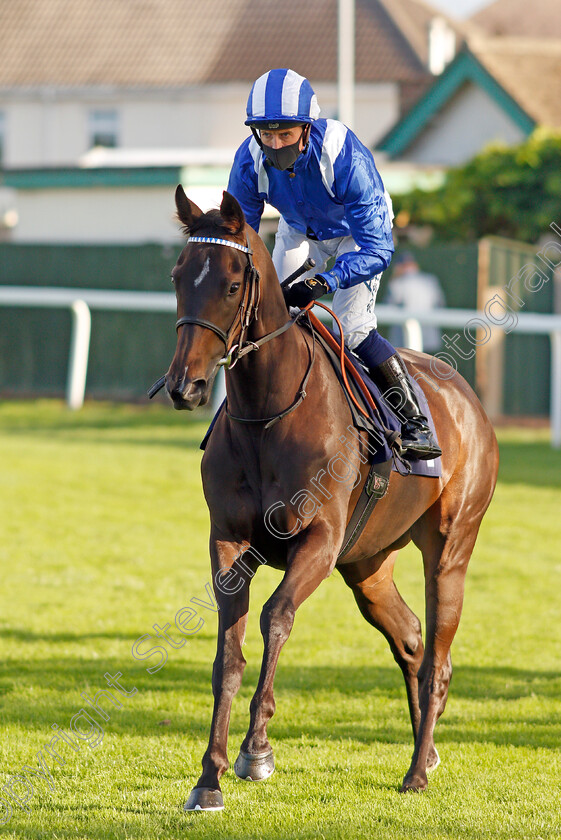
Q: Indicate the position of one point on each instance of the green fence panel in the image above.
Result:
(456, 268)
(526, 379)
(128, 350)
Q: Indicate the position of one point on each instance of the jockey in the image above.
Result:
(332, 203)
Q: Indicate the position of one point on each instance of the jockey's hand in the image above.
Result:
(302, 292)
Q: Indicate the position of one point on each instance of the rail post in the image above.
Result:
(413, 334)
(79, 352)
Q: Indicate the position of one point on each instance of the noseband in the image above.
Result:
(248, 308)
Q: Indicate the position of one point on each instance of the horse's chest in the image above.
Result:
(253, 496)
(243, 503)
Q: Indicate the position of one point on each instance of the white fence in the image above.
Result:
(81, 301)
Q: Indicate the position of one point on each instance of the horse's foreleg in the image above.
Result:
(308, 564)
(445, 562)
(232, 598)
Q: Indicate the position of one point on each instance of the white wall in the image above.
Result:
(50, 127)
(101, 214)
(467, 123)
(376, 108)
(106, 214)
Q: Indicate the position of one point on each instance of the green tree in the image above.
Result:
(512, 191)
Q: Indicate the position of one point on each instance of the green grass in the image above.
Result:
(105, 533)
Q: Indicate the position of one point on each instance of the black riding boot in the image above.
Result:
(393, 380)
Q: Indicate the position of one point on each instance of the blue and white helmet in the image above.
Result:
(281, 97)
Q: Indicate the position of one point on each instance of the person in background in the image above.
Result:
(332, 204)
(414, 289)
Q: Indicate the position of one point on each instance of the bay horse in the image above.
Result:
(285, 418)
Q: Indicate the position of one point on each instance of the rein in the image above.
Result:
(302, 394)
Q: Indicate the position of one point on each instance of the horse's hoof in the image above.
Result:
(254, 768)
(413, 784)
(433, 761)
(204, 799)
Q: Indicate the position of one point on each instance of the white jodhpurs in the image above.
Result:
(355, 306)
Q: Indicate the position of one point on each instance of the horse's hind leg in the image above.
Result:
(445, 560)
(383, 607)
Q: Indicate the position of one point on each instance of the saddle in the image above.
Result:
(369, 411)
(384, 443)
(365, 398)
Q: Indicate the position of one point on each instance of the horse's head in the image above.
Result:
(215, 296)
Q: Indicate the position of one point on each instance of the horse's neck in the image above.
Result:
(265, 381)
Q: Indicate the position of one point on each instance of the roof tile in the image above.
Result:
(540, 18)
(529, 70)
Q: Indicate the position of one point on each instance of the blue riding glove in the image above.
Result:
(303, 292)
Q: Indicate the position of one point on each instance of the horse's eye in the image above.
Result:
(233, 288)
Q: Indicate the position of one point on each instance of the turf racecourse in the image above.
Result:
(104, 534)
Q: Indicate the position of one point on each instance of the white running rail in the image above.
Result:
(81, 301)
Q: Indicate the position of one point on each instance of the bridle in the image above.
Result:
(247, 310)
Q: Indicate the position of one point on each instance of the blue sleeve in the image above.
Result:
(242, 184)
(359, 188)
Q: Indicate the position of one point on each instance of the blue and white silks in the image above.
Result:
(282, 95)
(334, 191)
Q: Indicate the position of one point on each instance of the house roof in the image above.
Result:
(176, 43)
(538, 19)
(529, 70)
(266, 36)
(511, 71)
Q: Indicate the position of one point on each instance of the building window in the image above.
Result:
(103, 128)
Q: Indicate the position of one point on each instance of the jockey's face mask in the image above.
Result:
(285, 156)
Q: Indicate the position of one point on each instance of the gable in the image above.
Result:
(465, 69)
(466, 123)
(529, 69)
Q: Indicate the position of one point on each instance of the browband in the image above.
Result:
(212, 240)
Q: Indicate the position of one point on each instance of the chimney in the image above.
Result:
(442, 45)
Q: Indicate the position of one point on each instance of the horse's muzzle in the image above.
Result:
(189, 395)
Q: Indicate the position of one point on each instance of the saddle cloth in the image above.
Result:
(384, 419)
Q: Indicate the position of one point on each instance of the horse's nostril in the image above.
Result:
(176, 393)
(182, 392)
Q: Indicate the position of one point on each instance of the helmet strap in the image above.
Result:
(256, 135)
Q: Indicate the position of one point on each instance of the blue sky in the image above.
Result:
(459, 8)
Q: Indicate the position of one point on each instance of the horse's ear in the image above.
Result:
(232, 213)
(187, 210)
